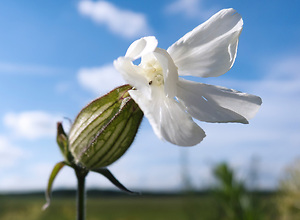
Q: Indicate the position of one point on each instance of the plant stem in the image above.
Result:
(80, 174)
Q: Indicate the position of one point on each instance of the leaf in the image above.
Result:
(105, 172)
(53, 174)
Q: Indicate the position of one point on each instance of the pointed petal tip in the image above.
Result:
(259, 102)
(201, 138)
(196, 136)
(245, 122)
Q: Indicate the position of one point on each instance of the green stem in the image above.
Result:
(81, 174)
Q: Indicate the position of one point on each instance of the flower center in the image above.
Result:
(153, 72)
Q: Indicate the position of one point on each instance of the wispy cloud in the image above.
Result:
(284, 68)
(32, 124)
(100, 80)
(9, 154)
(35, 177)
(191, 9)
(127, 23)
(28, 69)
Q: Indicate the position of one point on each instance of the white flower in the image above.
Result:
(170, 102)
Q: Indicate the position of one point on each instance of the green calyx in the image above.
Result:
(62, 141)
(104, 129)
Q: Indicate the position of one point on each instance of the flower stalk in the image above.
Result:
(81, 194)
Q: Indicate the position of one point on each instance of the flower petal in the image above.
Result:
(141, 47)
(210, 49)
(167, 118)
(217, 104)
(133, 74)
(169, 70)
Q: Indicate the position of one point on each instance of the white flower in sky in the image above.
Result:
(170, 102)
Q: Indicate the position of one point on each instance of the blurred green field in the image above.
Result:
(175, 207)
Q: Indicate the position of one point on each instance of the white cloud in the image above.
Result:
(32, 124)
(100, 79)
(190, 8)
(9, 154)
(127, 23)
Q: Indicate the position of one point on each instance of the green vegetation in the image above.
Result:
(236, 201)
(289, 199)
(227, 199)
(192, 206)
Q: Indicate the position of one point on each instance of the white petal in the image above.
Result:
(169, 70)
(168, 120)
(141, 47)
(217, 104)
(133, 74)
(210, 49)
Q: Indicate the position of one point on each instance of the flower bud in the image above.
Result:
(105, 129)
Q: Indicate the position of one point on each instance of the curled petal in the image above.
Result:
(167, 118)
(210, 49)
(132, 74)
(141, 47)
(169, 70)
(217, 104)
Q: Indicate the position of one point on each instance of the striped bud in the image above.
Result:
(105, 129)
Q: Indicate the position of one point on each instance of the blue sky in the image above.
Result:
(55, 57)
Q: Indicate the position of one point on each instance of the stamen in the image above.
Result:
(153, 72)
